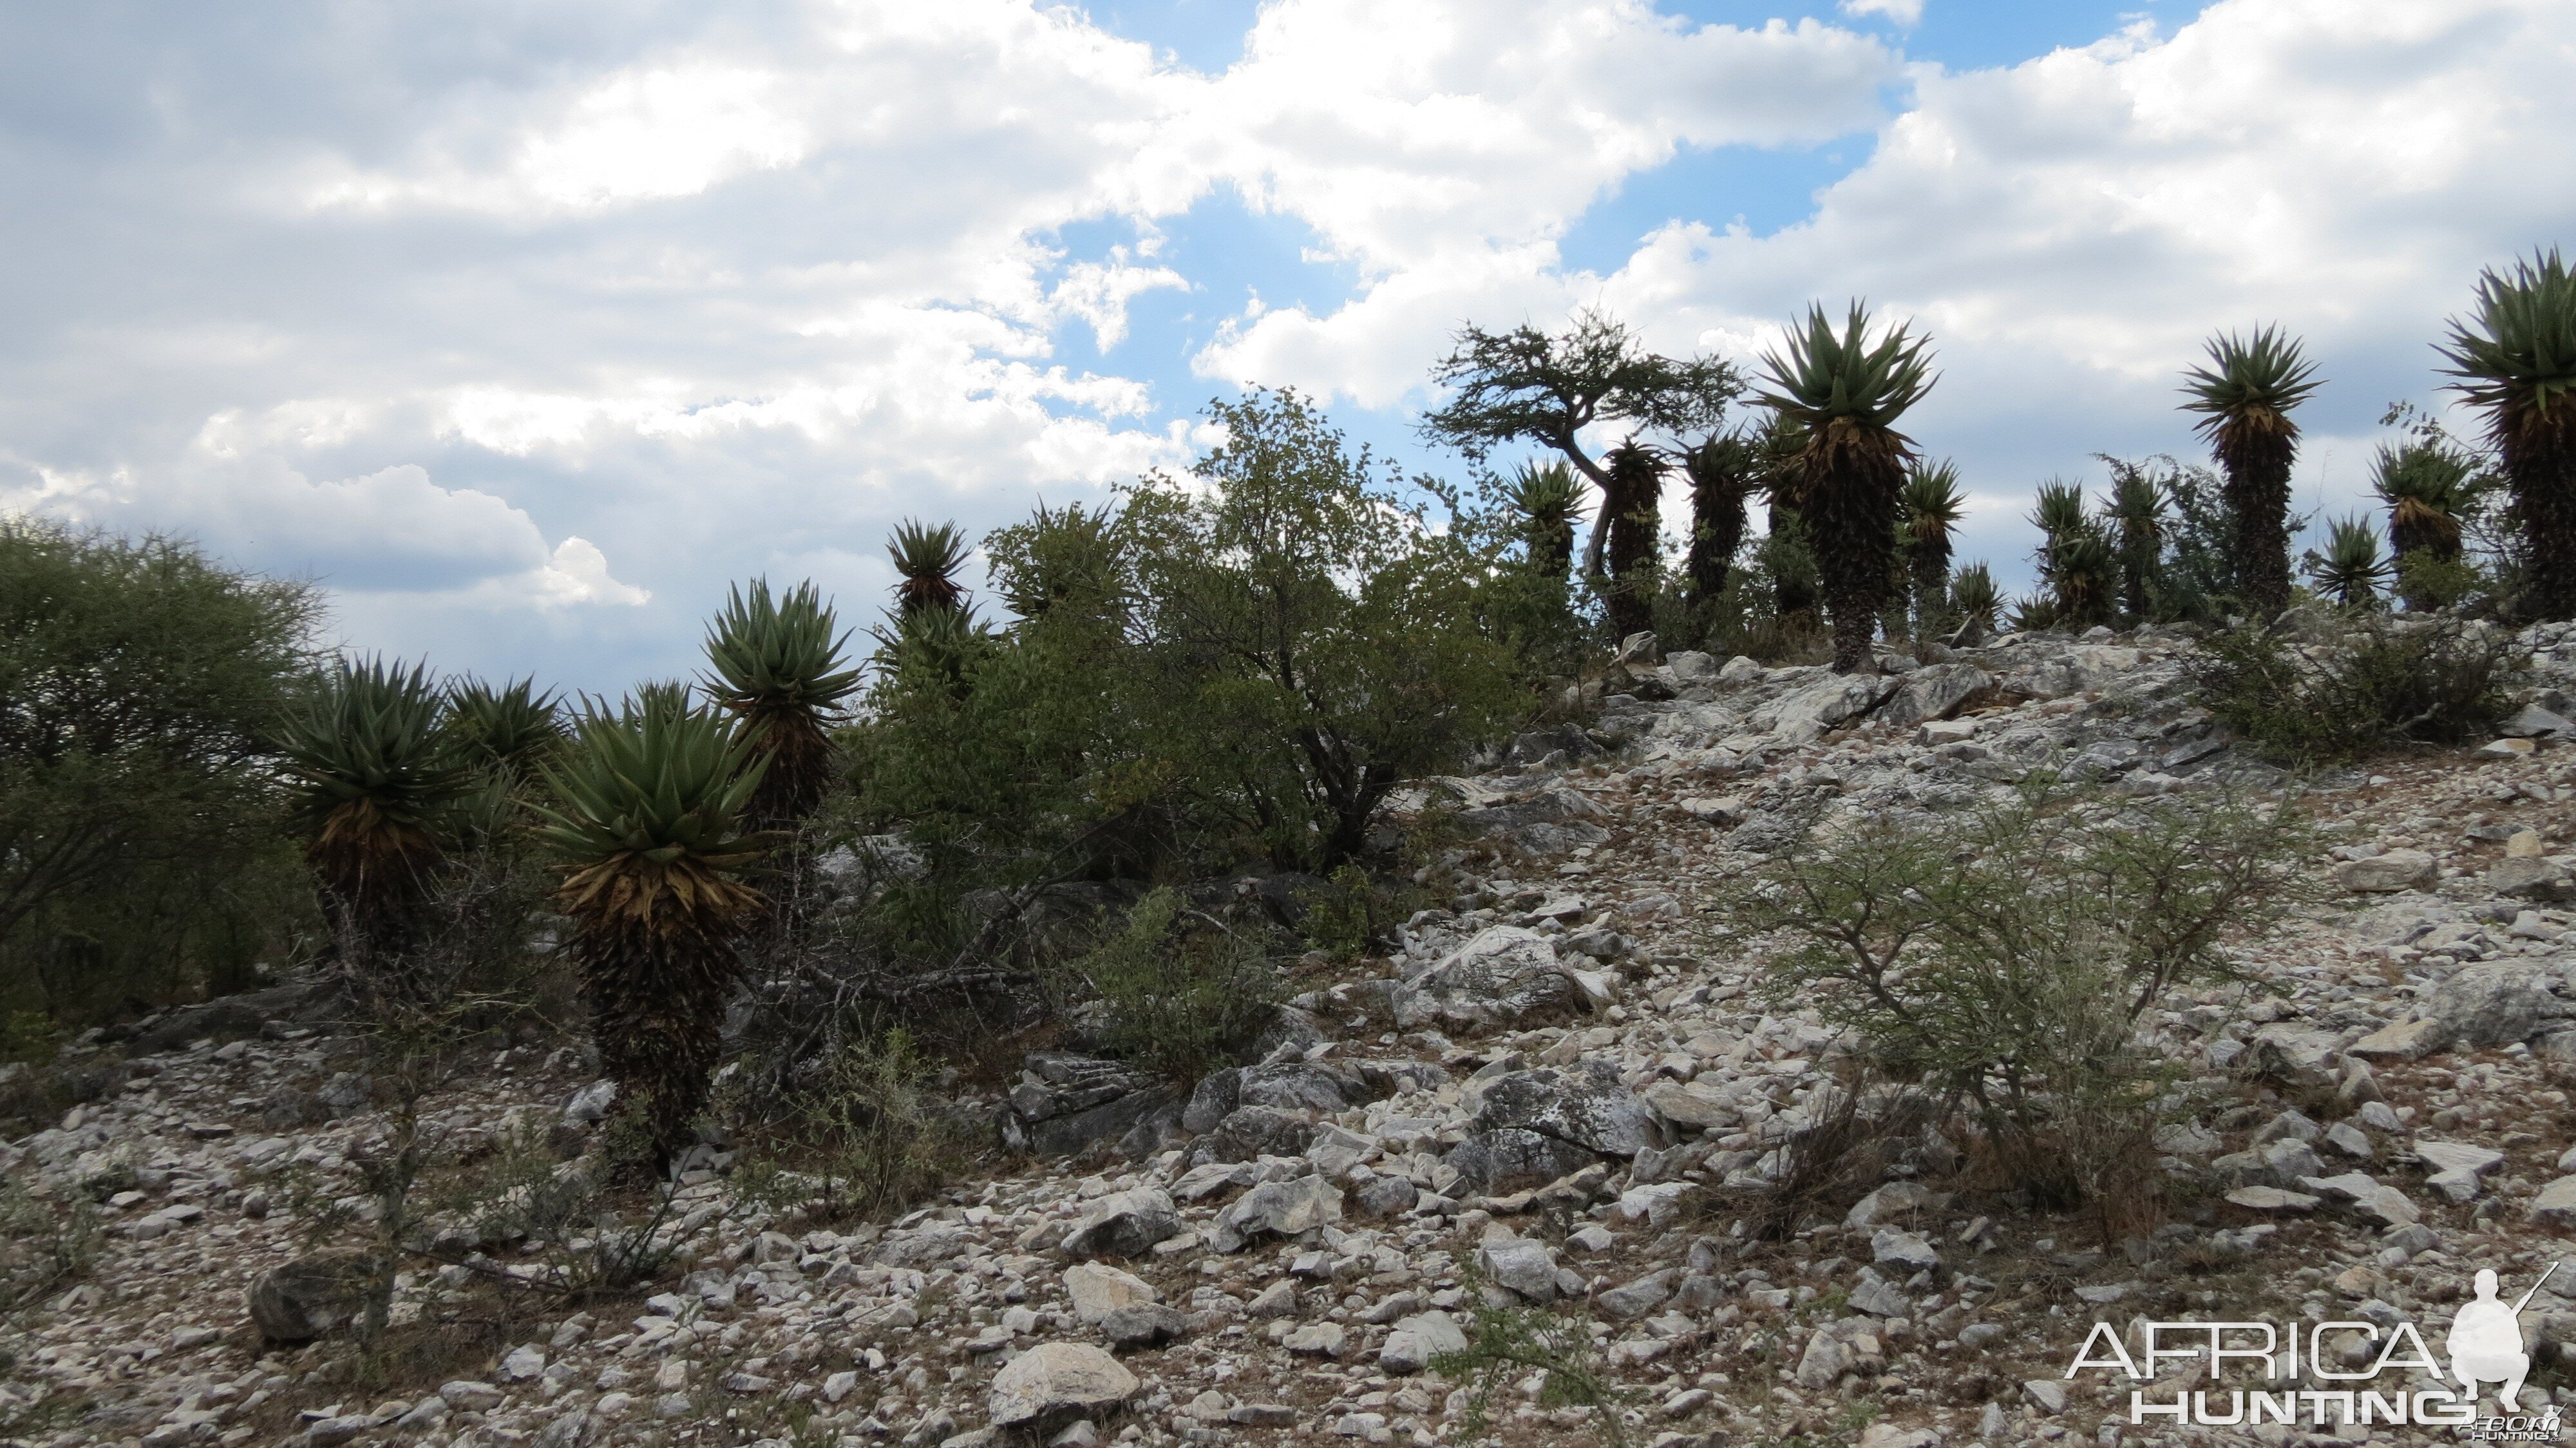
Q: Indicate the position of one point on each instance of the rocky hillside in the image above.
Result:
(1559, 1096)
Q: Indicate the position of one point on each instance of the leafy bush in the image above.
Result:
(139, 860)
(1342, 914)
(45, 1241)
(1179, 993)
(2356, 684)
(1505, 1341)
(2000, 958)
(861, 1137)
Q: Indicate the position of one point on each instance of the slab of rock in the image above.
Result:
(1932, 693)
(1635, 1299)
(1893, 1200)
(1416, 1340)
(1249, 1133)
(1055, 1381)
(1889, 1247)
(1696, 1107)
(2556, 1203)
(2374, 1198)
(2457, 1167)
(1123, 1224)
(2387, 873)
(2528, 878)
(2500, 1002)
(1146, 1326)
(1506, 974)
(1551, 821)
(1281, 1209)
(1804, 716)
(2405, 1040)
(1585, 1103)
(1066, 1102)
(1519, 1265)
(1823, 1363)
(2272, 1199)
(1495, 1162)
(1873, 1294)
(1099, 1290)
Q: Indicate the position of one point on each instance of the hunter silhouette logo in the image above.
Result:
(2486, 1341)
(2332, 1373)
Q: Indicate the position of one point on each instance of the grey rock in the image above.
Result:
(2555, 1205)
(1585, 1104)
(2351, 1140)
(1123, 1224)
(1933, 692)
(1249, 1133)
(1823, 1363)
(1098, 1290)
(1316, 1339)
(2528, 878)
(1505, 975)
(1495, 1162)
(1283, 1209)
(1065, 1102)
(1889, 1247)
(1804, 716)
(590, 1104)
(1387, 1196)
(2499, 1002)
(2387, 873)
(1416, 1340)
(1056, 1381)
(1637, 1298)
(1520, 1265)
(1872, 1294)
(1893, 1200)
(1143, 1326)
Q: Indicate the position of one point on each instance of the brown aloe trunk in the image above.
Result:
(1636, 484)
(2540, 462)
(2256, 451)
(1854, 482)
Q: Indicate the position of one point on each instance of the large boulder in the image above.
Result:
(1057, 1381)
(1932, 693)
(1585, 1104)
(1276, 1209)
(1123, 1224)
(2498, 1002)
(1065, 1102)
(1804, 716)
(311, 1295)
(1506, 974)
(1496, 1162)
(1551, 821)
(1249, 1133)
(1099, 1290)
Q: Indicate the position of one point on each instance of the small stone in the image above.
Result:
(1418, 1339)
(1316, 1339)
(2046, 1394)
(1123, 1224)
(1262, 1415)
(2508, 748)
(1823, 1362)
(2349, 1139)
(1888, 1246)
(2556, 1204)
(522, 1363)
(2272, 1199)
(468, 1396)
(1636, 1299)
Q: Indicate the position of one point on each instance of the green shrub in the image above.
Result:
(2426, 580)
(45, 1241)
(1506, 1341)
(2356, 684)
(861, 1137)
(1177, 992)
(2000, 958)
(1342, 914)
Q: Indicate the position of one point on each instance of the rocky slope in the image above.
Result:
(1558, 1093)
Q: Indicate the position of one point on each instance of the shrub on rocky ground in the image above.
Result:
(860, 1137)
(45, 1241)
(1178, 992)
(2339, 687)
(1999, 958)
(1507, 1342)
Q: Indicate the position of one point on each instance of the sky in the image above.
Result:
(527, 328)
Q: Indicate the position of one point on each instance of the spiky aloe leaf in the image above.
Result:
(1974, 597)
(2249, 383)
(1825, 378)
(368, 759)
(2352, 568)
(1933, 504)
(2059, 511)
(2426, 490)
(2516, 355)
(509, 728)
(776, 665)
(1546, 494)
(927, 558)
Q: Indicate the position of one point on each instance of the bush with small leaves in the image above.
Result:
(2347, 686)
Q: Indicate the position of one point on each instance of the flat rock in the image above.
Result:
(1585, 1103)
(1098, 1290)
(1123, 1224)
(1058, 1380)
(1417, 1339)
(2556, 1203)
(1521, 1265)
(2272, 1199)
(2390, 872)
(1282, 1209)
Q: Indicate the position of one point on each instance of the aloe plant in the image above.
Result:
(374, 779)
(2245, 395)
(776, 664)
(1723, 473)
(1549, 499)
(1842, 393)
(926, 558)
(2351, 569)
(1636, 476)
(2516, 358)
(510, 729)
(1974, 599)
(1931, 507)
(647, 829)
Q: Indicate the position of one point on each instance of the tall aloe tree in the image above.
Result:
(2245, 395)
(1723, 473)
(1931, 506)
(1974, 597)
(648, 832)
(1549, 499)
(374, 778)
(776, 663)
(2516, 358)
(1843, 393)
(2426, 490)
(926, 558)
(1632, 501)
(2075, 561)
(2136, 511)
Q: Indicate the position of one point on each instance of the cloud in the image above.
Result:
(1901, 12)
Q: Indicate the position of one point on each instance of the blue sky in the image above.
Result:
(526, 328)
